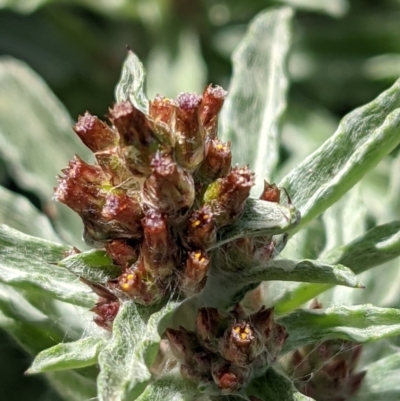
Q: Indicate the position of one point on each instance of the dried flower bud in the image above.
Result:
(210, 106)
(124, 253)
(194, 272)
(169, 189)
(217, 161)
(228, 377)
(201, 230)
(137, 139)
(189, 147)
(163, 112)
(210, 327)
(241, 344)
(94, 133)
(158, 251)
(271, 193)
(227, 196)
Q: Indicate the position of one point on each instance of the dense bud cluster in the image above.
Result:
(162, 186)
(326, 371)
(227, 348)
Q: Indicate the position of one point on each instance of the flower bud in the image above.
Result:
(163, 112)
(194, 272)
(201, 230)
(210, 327)
(183, 344)
(217, 161)
(106, 312)
(141, 287)
(189, 147)
(124, 209)
(229, 378)
(137, 139)
(271, 193)
(241, 344)
(210, 106)
(81, 188)
(124, 253)
(227, 196)
(94, 133)
(169, 189)
(158, 251)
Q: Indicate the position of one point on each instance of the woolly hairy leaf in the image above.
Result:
(94, 265)
(379, 245)
(258, 90)
(170, 388)
(125, 360)
(362, 323)
(382, 380)
(132, 82)
(28, 263)
(17, 212)
(63, 356)
(364, 137)
(33, 122)
(260, 218)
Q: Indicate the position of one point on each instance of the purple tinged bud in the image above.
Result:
(94, 133)
(158, 250)
(183, 344)
(211, 104)
(189, 147)
(106, 312)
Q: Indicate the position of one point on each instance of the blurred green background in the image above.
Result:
(344, 53)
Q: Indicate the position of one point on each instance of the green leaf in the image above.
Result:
(308, 271)
(170, 387)
(362, 323)
(74, 385)
(17, 212)
(36, 139)
(258, 219)
(29, 263)
(63, 356)
(258, 91)
(364, 137)
(124, 362)
(94, 265)
(382, 381)
(275, 386)
(379, 245)
(132, 83)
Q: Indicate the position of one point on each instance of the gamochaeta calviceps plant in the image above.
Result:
(194, 288)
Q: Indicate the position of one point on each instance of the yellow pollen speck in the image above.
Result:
(125, 286)
(197, 255)
(243, 336)
(196, 223)
(130, 276)
(247, 330)
(236, 329)
(206, 217)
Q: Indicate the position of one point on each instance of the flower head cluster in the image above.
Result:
(326, 371)
(227, 348)
(162, 186)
